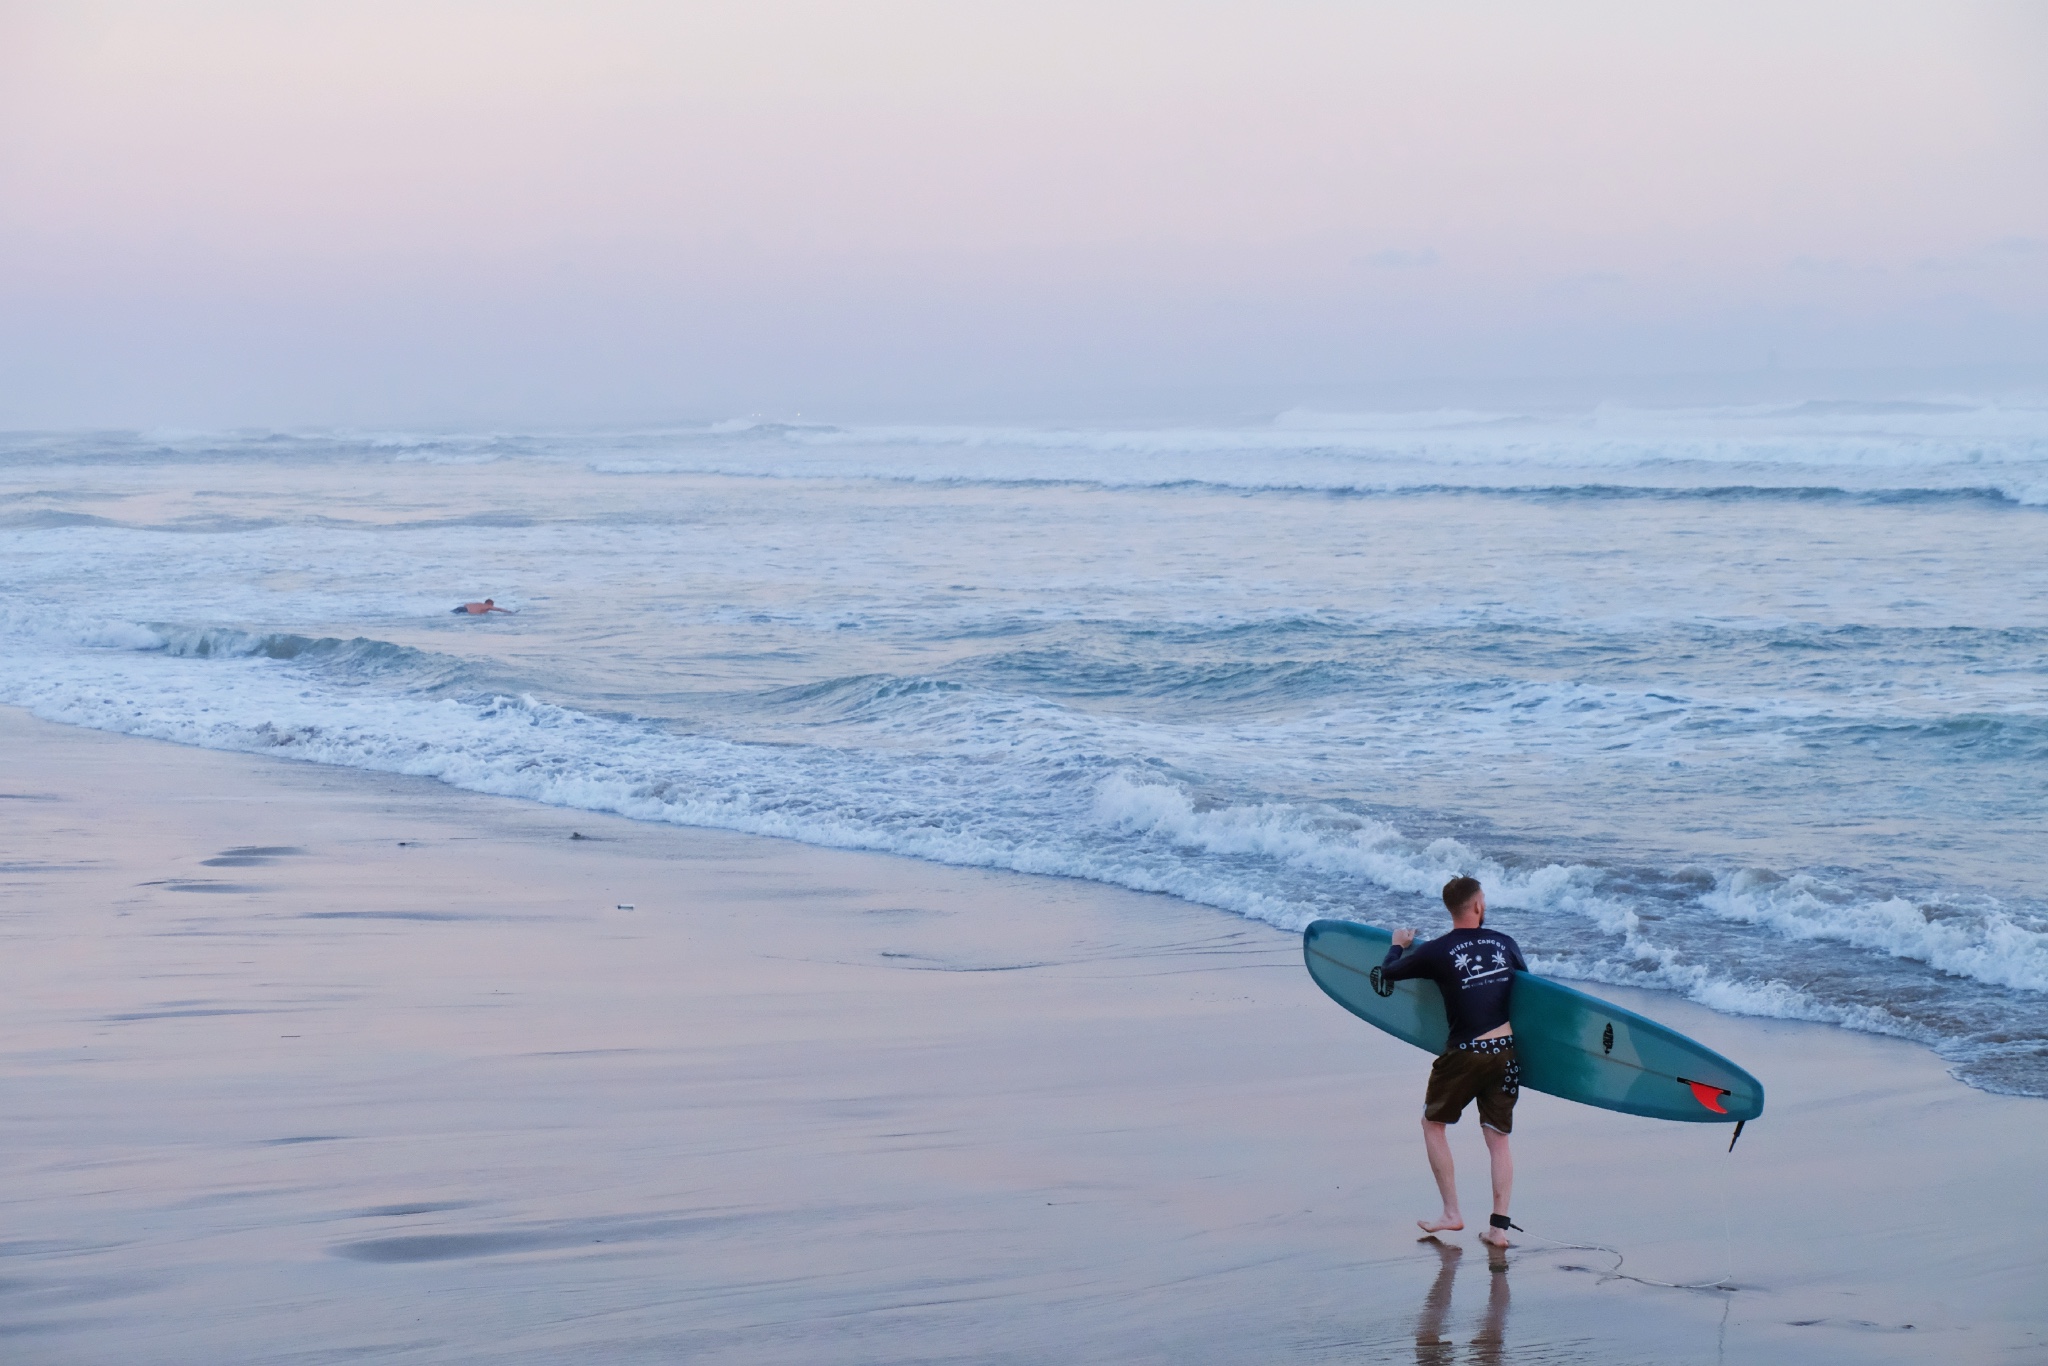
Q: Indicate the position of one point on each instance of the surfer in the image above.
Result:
(1475, 969)
(477, 609)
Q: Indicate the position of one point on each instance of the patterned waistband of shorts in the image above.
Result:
(1499, 1045)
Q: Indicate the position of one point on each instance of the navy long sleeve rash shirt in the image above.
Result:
(1475, 970)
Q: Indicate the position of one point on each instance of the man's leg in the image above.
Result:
(1438, 1144)
(1503, 1162)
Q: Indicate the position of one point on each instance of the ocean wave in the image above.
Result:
(1987, 944)
(343, 661)
(2016, 735)
(1823, 449)
(1764, 998)
(1241, 685)
(1657, 482)
(38, 519)
(358, 657)
(26, 625)
(858, 697)
(1993, 949)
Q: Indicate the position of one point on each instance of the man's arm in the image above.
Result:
(1399, 962)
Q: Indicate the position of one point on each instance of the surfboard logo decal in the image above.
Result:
(1709, 1096)
(1607, 1038)
(1380, 983)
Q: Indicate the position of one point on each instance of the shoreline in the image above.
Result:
(429, 1091)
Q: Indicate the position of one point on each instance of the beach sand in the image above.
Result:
(313, 1065)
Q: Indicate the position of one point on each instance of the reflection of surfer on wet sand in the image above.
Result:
(1432, 1348)
(477, 609)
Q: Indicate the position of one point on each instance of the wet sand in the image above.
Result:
(311, 1065)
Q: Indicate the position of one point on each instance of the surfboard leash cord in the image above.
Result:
(1615, 1273)
(1724, 1283)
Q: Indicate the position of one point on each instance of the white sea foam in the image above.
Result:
(1767, 999)
(1985, 943)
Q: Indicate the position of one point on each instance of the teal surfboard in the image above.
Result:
(1571, 1045)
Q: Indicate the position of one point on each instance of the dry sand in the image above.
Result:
(415, 1086)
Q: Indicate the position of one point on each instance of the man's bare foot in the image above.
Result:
(1495, 1237)
(1450, 1223)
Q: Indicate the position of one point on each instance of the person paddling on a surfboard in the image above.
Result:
(1475, 969)
(477, 609)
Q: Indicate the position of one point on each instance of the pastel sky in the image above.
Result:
(439, 212)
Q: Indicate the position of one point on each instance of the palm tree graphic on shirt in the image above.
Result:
(1473, 963)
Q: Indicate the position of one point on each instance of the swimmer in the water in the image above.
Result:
(477, 609)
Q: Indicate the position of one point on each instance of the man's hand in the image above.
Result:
(1403, 938)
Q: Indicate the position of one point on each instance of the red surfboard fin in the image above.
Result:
(1709, 1096)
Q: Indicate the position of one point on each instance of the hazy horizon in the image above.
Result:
(385, 215)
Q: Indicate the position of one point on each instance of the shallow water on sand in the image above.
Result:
(1745, 704)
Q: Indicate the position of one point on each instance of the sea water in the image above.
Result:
(1748, 704)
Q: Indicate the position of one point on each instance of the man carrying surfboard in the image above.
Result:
(1475, 969)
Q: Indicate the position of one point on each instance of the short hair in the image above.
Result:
(1458, 893)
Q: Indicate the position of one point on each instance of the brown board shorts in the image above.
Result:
(1484, 1070)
